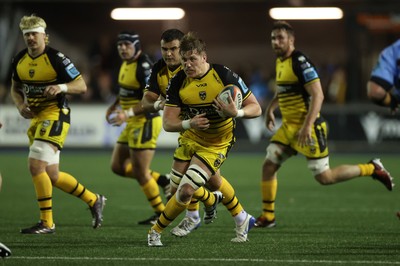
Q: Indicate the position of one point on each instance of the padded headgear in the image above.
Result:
(132, 37)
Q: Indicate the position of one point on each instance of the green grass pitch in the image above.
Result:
(351, 223)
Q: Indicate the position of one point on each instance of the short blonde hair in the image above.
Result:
(33, 21)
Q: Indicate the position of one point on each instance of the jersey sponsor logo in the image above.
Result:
(203, 95)
(208, 110)
(310, 74)
(281, 89)
(31, 90)
(72, 71)
(201, 85)
(132, 93)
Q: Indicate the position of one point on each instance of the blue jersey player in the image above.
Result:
(383, 88)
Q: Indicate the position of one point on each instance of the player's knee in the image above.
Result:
(118, 170)
(269, 168)
(185, 193)
(175, 179)
(275, 154)
(319, 168)
(195, 176)
(324, 179)
(42, 151)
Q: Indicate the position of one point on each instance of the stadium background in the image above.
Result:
(352, 223)
(237, 35)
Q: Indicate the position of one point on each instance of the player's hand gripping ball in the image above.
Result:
(235, 94)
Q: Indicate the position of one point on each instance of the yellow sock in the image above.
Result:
(204, 196)
(268, 192)
(69, 184)
(194, 205)
(366, 169)
(230, 200)
(155, 175)
(44, 192)
(171, 211)
(152, 192)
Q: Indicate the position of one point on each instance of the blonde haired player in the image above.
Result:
(41, 79)
(154, 100)
(206, 138)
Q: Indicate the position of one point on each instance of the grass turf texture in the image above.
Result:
(352, 223)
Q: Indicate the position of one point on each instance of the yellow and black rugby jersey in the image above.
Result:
(160, 77)
(35, 74)
(132, 79)
(292, 74)
(195, 96)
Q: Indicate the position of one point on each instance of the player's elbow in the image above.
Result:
(168, 127)
(80, 86)
(374, 91)
(83, 89)
(258, 111)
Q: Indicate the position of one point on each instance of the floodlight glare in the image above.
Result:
(301, 13)
(169, 13)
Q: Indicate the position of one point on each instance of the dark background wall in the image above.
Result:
(237, 33)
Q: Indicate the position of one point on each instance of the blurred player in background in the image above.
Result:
(42, 76)
(153, 100)
(299, 96)
(4, 250)
(383, 88)
(136, 145)
(206, 138)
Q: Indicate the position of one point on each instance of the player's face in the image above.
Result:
(281, 42)
(170, 53)
(194, 64)
(35, 40)
(126, 50)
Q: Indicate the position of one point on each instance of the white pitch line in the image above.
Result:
(211, 259)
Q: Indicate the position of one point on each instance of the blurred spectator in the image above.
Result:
(260, 86)
(337, 86)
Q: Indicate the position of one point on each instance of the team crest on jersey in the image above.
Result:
(136, 134)
(31, 73)
(45, 124)
(219, 160)
(202, 95)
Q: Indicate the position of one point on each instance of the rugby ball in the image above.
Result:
(236, 95)
(234, 92)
